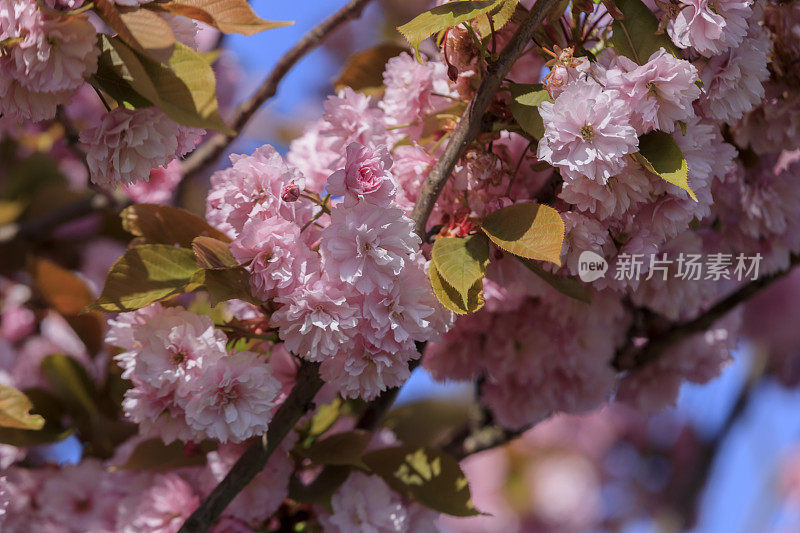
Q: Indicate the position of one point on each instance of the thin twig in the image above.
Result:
(471, 123)
(256, 456)
(43, 226)
(632, 359)
(211, 150)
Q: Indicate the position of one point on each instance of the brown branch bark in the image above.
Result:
(255, 457)
(471, 123)
(211, 150)
(631, 359)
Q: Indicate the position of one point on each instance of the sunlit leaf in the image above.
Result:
(15, 410)
(661, 155)
(228, 16)
(147, 274)
(499, 18)
(451, 298)
(524, 106)
(142, 30)
(213, 253)
(446, 16)
(121, 74)
(187, 89)
(461, 261)
(429, 476)
(528, 230)
(165, 224)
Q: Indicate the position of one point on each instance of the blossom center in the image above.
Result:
(587, 132)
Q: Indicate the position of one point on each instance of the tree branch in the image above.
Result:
(35, 228)
(631, 359)
(471, 123)
(255, 457)
(211, 150)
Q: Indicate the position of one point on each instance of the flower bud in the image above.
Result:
(290, 192)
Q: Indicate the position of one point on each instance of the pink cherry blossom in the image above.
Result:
(710, 27)
(164, 506)
(232, 400)
(128, 144)
(72, 497)
(413, 91)
(587, 132)
(169, 344)
(365, 503)
(733, 80)
(159, 187)
(265, 493)
(315, 321)
(47, 64)
(352, 117)
(661, 92)
(360, 369)
(278, 256)
(368, 246)
(254, 183)
(365, 177)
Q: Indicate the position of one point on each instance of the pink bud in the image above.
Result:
(290, 192)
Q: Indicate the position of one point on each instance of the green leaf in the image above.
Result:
(446, 16)
(524, 106)
(461, 262)
(660, 154)
(364, 70)
(224, 285)
(429, 422)
(566, 286)
(183, 85)
(187, 89)
(322, 420)
(635, 35)
(431, 477)
(528, 230)
(15, 410)
(228, 16)
(147, 274)
(213, 254)
(127, 30)
(71, 384)
(153, 454)
(499, 18)
(341, 449)
(165, 224)
(451, 298)
(46, 405)
(121, 74)
(150, 32)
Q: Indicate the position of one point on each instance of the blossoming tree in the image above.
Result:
(565, 203)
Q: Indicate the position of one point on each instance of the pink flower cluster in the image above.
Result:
(47, 61)
(185, 383)
(360, 304)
